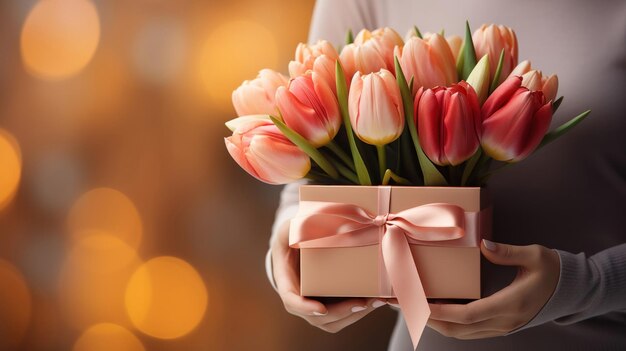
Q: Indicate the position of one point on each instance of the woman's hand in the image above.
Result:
(509, 308)
(331, 317)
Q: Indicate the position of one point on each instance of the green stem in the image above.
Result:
(396, 178)
(342, 99)
(338, 151)
(382, 160)
(349, 174)
(470, 165)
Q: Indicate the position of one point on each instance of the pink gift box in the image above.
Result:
(447, 268)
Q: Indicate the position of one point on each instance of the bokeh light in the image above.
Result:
(10, 167)
(93, 279)
(15, 306)
(243, 47)
(166, 298)
(108, 337)
(159, 50)
(106, 210)
(59, 37)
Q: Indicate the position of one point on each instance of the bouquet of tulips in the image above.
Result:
(427, 110)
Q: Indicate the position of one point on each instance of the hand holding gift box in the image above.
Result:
(416, 115)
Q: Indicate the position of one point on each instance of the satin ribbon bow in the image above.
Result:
(328, 224)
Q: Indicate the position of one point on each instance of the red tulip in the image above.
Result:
(515, 120)
(491, 39)
(447, 123)
(375, 107)
(309, 107)
(256, 96)
(265, 153)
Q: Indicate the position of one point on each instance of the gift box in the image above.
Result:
(340, 232)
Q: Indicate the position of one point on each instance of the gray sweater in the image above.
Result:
(570, 196)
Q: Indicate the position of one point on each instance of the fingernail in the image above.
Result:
(356, 309)
(393, 305)
(489, 245)
(315, 313)
(378, 303)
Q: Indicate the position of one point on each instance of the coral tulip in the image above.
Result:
(492, 39)
(265, 153)
(375, 107)
(257, 96)
(370, 52)
(429, 62)
(309, 107)
(515, 121)
(319, 57)
(447, 123)
(534, 80)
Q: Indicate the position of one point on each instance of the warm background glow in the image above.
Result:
(59, 37)
(166, 298)
(124, 224)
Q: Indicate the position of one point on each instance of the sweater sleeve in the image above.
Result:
(587, 287)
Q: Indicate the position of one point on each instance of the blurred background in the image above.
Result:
(124, 224)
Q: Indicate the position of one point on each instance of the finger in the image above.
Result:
(284, 261)
(338, 325)
(499, 326)
(511, 255)
(476, 311)
(342, 309)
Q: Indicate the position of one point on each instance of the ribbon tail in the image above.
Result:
(405, 281)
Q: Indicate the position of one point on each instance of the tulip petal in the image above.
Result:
(277, 162)
(501, 96)
(538, 129)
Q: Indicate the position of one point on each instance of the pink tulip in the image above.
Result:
(257, 96)
(266, 154)
(534, 80)
(309, 107)
(429, 61)
(447, 123)
(515, 120)
(307, 54)
(375, 107)
(370, 52)
(491, 39)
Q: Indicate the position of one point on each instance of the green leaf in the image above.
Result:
(443, 32)
(432, 176)
(342, 97)
(562, 129)
(496, 76)
(468, 54)
(556, 104)
(305, 146)
(417, 32)
(479, 79)
(349, 37)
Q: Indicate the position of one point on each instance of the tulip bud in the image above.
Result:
(429, 62)
(257, 96)
(375, 107)
(306, 55)
(479, 79)
(534, 80)
(370, 52)
(492, 39)
(447, 123)
(265, 153)
(515, 121)
(309, 107)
